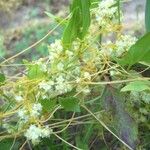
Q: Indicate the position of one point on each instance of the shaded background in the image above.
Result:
(23, 22)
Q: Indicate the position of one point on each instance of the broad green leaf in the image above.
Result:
(48, 104)
(147, 16)
(140, 51)
(85, 10)
(124, 125)
(136, 86)
(70, 104)
(2, 78)
(72, 30)
(35, 72)
(79, 22)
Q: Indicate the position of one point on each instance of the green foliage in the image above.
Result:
(35, 72)
(8, 144)
(79, 23)
(70, 104)
(2, 78)
(94, 3)
(138, 52)
(48, 104)
(137, 86)
(2, 47)
(74, 75)
(147, 16)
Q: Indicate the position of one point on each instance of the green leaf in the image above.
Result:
(70, 104)
(81, 144)
(85, 10)
(124, 125)
(7, 144)
(136, 86)
(140, 51)
(48, 104)
(35, 72)
(147, 16)
(72, 30)
(2, 78)
(94, 3)
(79, 22)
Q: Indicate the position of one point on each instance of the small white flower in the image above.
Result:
(76, 45)
(18, 98)
(46, 132)
(36, 110)
(44, 96)
(60, 66)
(123, 44)
(44, 67)
(104, 13)
(78, 80)
(113, 72)
(69, 53)
(60, 79)
(35, 133)
(23, 115)
(47, 86)
(87, 75)
(86, 90)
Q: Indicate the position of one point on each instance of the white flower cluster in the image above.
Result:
(123, 44)
(25, 114)
(55, 50)
(18, 98)
(35, 133)
(43, 66)
(59, 85)
(65, 67)
(117, 49)
(36, 110)
(105, 12)
(46, 86)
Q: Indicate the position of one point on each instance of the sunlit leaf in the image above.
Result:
(136, 86)
(79, 22)
(85, 10)
(35, 72)
(48, 104)
(138, 52)
(147, 16)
